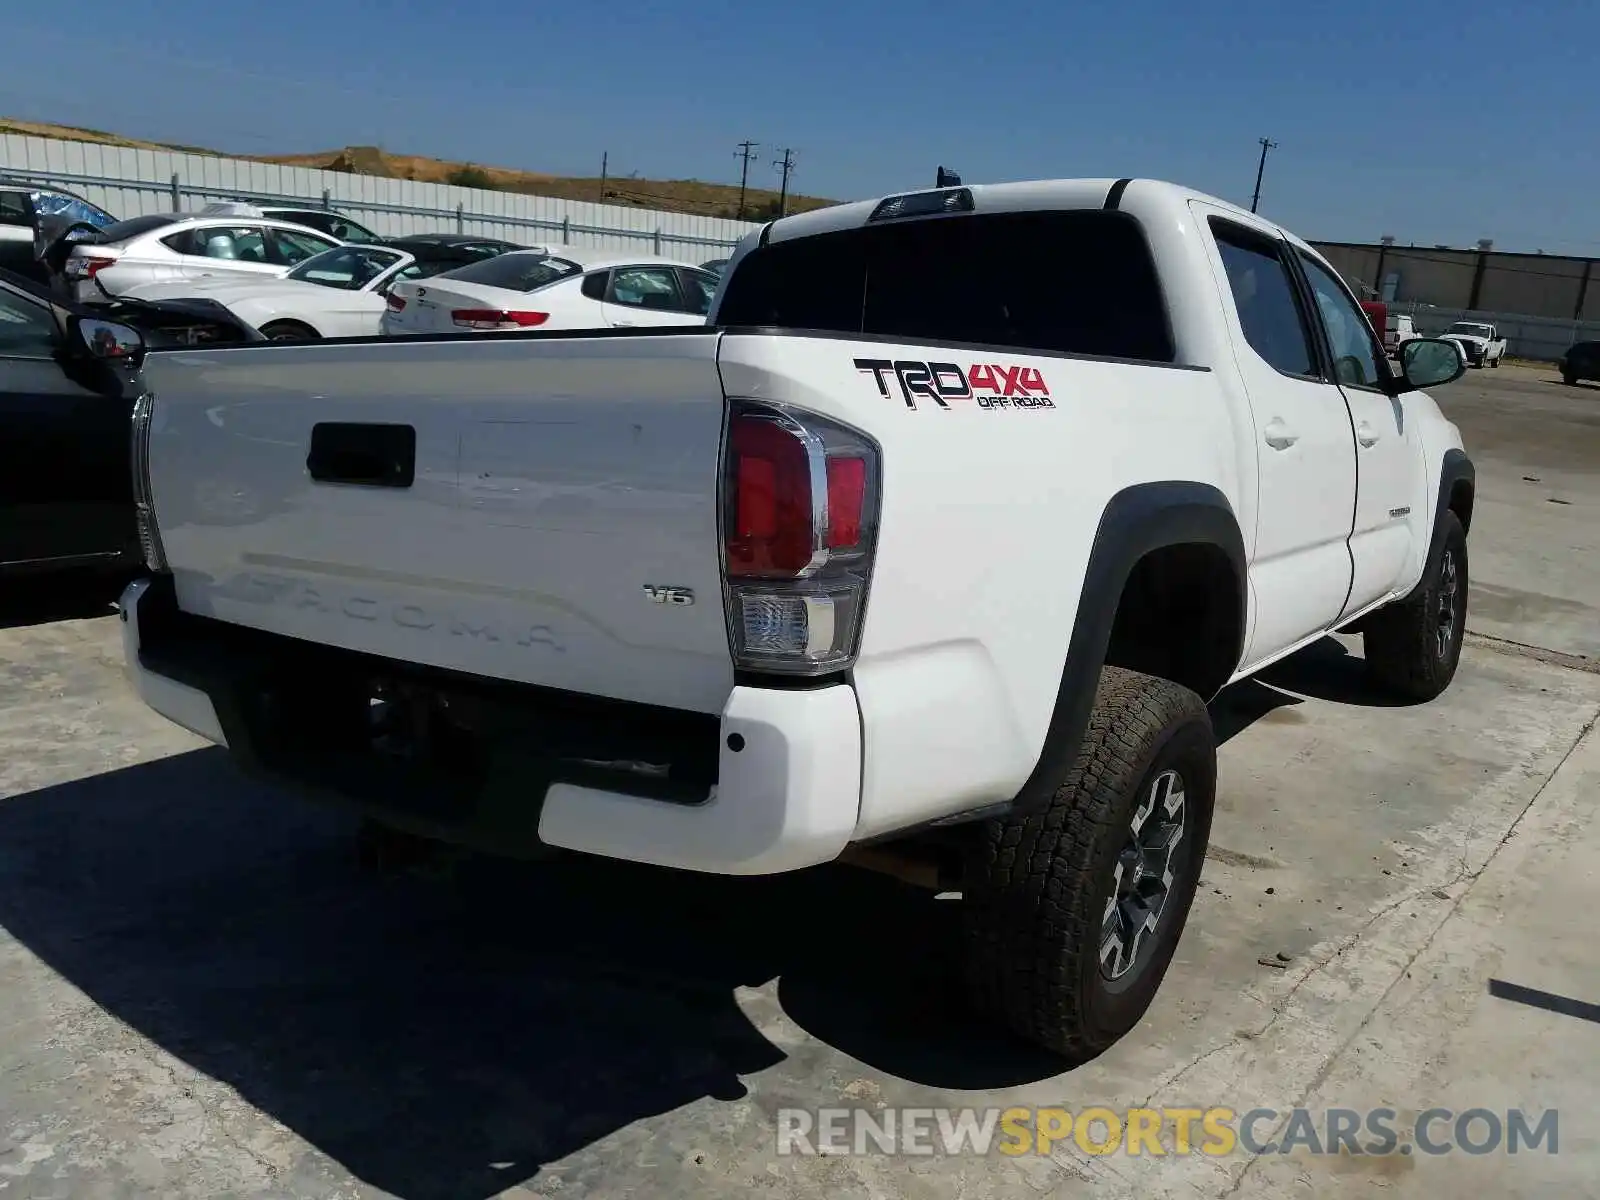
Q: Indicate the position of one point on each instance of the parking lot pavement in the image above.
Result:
(1536, 526)
(206, 996)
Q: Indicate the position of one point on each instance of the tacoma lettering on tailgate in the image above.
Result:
(279, 591)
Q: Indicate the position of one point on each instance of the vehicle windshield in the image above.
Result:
(349, 268)
(1467, 327)
(518, 272)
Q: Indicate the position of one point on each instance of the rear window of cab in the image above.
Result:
(1075, 282)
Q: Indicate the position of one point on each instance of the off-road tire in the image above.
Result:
(1036, 885)
(1402, 641)
(1569, 379)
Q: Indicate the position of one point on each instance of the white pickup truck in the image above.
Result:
(1481, 344)
(930, 548)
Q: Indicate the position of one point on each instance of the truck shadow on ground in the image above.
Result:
(444, 1035)
(1327, 670)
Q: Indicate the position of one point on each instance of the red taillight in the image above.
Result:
(494, 318)
(86, 267)
(847, 494)
(771, 533)
(799, 519)
(395, 303)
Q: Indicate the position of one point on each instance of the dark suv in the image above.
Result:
(1582, 361)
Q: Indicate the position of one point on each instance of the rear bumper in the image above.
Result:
(787, 763)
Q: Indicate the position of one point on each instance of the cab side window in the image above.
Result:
(1264, 294)
(1357, 361)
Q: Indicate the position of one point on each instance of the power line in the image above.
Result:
(1261, 168)
(786, 165)
(746, 152)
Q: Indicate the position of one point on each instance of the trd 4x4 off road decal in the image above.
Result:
(989, 385)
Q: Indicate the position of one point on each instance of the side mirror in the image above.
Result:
(1428, 362)
(108, 340)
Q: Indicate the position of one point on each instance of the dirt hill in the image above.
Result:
(671, 195)
(74, 133)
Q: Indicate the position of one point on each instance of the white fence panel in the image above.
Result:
(129, 182)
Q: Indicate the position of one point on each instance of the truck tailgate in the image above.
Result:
(558, 525)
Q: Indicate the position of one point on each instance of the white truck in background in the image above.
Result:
(1481, 344)
(936, 540)
(1398, 330)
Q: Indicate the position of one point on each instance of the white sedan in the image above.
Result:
(175, 247)
(338, 293)
(557, 287)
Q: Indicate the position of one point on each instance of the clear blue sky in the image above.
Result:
(1434, 121)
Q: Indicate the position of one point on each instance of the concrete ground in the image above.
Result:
(1535, 536)
(203, 996)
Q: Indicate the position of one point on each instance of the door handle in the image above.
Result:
(1277, 434)
(1366, 435)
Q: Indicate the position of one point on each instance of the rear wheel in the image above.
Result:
(1073, 912)
(288, 331)
(1413, 647)
(1568, 378)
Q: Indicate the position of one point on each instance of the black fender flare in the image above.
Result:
(1137, 520)
(1454, 468)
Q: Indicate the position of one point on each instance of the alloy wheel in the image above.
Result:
(1144, 877)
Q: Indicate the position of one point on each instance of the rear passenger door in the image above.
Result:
(1305, 450)
(647, 295)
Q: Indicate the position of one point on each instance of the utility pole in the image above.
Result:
(786, 165)
(605, 159)
(1260, 169)
(746, 152)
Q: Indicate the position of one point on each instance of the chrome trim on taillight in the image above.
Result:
(144, 509)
